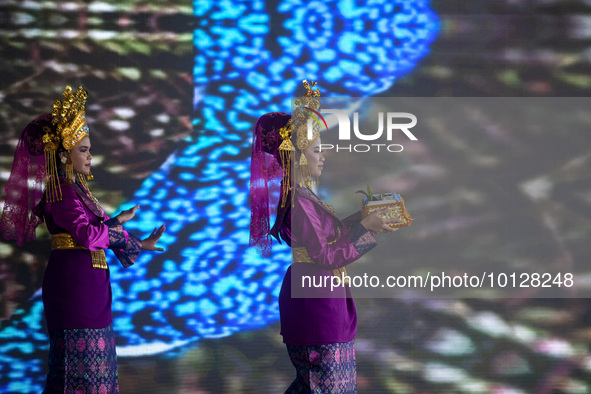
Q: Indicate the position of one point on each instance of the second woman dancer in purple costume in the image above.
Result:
(318, 325)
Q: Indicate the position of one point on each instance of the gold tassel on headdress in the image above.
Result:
(54, 193)
(69, 169)
(285, 150)
(306, 178)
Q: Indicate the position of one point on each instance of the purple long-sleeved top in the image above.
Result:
(76, 295)
(317, 315)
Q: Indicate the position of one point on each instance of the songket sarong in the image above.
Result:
(323, 368)
(82, 361)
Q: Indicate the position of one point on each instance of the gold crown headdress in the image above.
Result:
(69, 121)
(306, 106)
(299, 121)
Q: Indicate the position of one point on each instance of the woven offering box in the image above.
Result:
(395, 205)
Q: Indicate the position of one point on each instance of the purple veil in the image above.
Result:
(265, 171)
(24, 188)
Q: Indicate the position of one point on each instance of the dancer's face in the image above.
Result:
(81, 157)
(315, 158)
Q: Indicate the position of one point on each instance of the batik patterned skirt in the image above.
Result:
(323, 368)
(82, 361)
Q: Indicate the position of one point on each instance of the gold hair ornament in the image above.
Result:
(285, 150)
(69, 168)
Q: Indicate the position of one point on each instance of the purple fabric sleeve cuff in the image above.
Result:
(352, 220)
(117, 238)
(362, 239)
(128, 255)
(126, 246)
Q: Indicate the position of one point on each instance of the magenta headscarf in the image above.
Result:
(24, 188)
(265, 170)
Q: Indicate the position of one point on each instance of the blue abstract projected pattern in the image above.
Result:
(250, 59)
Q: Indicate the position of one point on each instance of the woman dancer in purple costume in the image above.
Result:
(76, 285)
(318, 325)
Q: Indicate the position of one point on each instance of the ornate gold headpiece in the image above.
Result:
(306, 106)
(69, 117)
(69, 121)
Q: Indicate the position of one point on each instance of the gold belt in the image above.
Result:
(300, 255)
(65, 241)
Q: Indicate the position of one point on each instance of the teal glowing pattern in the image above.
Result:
(248, 61)
(250, 58)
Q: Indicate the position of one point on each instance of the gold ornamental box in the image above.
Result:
(395, 204)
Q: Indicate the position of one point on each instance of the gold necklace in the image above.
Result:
(84, 185)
